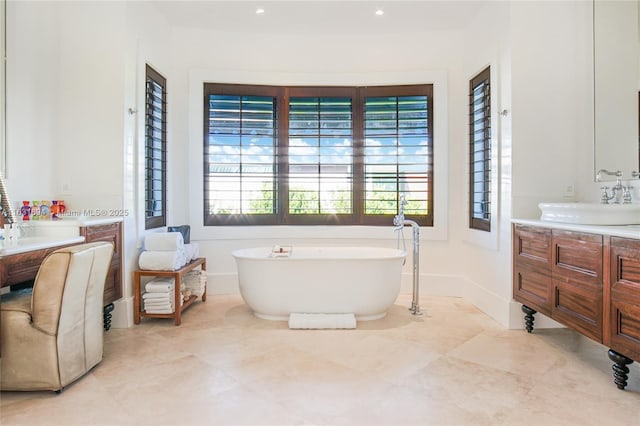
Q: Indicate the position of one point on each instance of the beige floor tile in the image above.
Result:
(451, 366)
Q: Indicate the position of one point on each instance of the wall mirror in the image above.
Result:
(616, 85)
(3, 84)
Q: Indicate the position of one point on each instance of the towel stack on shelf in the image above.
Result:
(194, 283)
(159, 296)
(164, 251)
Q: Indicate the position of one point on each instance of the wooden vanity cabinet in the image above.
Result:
(559, 273)
(587, 281)
(624, 327)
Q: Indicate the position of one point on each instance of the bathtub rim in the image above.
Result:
(393, 253)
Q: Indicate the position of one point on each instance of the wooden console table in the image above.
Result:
(19, 264)
(138, 312)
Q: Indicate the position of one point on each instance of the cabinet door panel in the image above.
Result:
(625, 297)
(532, 287)
(112, 287)
(578, 305)
(111, 232)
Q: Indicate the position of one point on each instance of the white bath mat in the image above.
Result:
(321, 321)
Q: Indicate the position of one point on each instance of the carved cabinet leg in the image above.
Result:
(620, 369)
(528, 317)
(106, 316)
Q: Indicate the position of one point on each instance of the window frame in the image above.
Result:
(152, 222)
(282, 95)
(480, 223)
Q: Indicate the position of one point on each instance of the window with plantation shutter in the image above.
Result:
(240, 155)
(317, 155)
(320, 153)
(155, 150)
(480, 152)
(398, 152)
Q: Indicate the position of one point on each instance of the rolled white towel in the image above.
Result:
(161, 260)
(164, 241)
(192, 250)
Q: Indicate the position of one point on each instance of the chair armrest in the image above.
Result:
(20, 304)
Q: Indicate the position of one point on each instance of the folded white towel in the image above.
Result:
(154, 302)
(165, 305)
(156, 295)
(159, 286)
(159, 311)
(161, 260)
(319, 321)
(170, 299)
(158, 302)
(164, 241)
(195, 282)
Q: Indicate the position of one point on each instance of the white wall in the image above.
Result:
(487, 254)
(65, 95)
(32, 99)
(552, 89)
(147, 41)
(311, 60)
(88, 62)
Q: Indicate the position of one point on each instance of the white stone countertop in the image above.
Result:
(75, 221)
(25, 244)
(627, 231)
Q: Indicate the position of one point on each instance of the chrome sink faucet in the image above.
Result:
(615, 190)
(626, 194)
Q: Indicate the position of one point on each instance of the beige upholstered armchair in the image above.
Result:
(53, 336)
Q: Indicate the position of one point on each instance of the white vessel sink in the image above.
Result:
(591, 213)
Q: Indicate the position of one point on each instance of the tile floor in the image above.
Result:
(452, 366)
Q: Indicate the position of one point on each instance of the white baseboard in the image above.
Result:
(122, 314)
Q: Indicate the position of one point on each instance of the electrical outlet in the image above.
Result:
(65, 188)
(568, 190)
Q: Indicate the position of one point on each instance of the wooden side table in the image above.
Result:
(138, 312)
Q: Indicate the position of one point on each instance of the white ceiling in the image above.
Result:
(320, 17)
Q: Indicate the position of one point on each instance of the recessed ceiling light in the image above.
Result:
(259, 11)
(379, 12)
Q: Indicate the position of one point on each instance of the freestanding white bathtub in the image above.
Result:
(364, 281)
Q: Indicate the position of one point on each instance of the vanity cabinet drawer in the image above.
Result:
(625, 297)
(578, 304)
(22, 267)
(532, 287)
(532, 246)
(577, 255)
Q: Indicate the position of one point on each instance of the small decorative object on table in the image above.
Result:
(280, 251)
